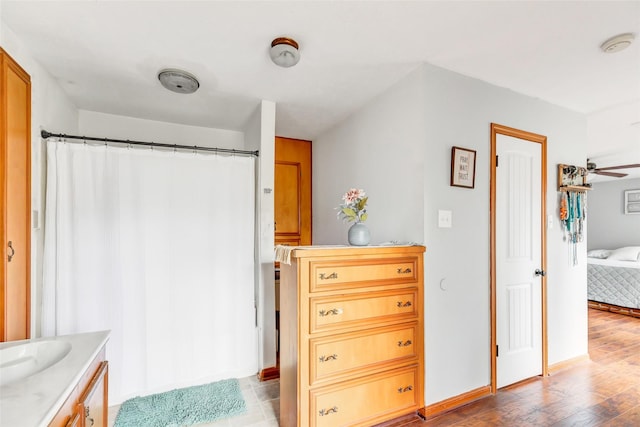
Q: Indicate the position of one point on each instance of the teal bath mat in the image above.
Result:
(183, 407)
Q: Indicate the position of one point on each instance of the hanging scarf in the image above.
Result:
(573, 212)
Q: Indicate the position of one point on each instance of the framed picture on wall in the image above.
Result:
(463, 167)
(632, 202)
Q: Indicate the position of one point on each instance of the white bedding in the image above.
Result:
(614, 262)
(614, 281)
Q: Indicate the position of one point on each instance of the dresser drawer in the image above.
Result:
(366, 401)
(341, 311)
(351, 353)
(355, 273)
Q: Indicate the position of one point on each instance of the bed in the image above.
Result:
(613, 280)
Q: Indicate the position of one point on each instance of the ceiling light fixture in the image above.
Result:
(284, 52)
(178, 81)
(617, 43)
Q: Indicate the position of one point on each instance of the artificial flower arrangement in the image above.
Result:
(354, 208)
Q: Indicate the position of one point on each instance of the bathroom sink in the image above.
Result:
(23, 360)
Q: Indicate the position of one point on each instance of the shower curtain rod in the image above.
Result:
(46, 135)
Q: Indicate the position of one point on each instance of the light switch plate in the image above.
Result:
(35, 219)
(444, 219)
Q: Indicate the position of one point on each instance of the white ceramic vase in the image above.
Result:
(359, 235)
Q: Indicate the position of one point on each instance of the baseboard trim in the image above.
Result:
(569, 363)
(627, 311)
(271, 373)
(439, 408)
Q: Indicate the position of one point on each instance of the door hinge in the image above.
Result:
(497, 160)
(497, 350)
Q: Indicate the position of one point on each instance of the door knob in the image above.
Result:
(539, 272)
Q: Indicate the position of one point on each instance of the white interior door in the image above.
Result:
(518, 256)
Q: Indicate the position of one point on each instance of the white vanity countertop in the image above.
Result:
(35, 400)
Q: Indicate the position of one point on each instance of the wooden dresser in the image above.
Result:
(351, 325)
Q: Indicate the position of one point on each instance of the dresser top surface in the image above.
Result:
(330, 250)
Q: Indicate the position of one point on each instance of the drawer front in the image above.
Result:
(350, 353)
(366, 401)
(346, 274)
(366, 308)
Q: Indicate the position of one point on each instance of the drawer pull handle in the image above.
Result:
(404, 304)
(13, 251)
(86, 416)
(333, 311)
(325, 276)
(324, 412)
(404, 344)
(405, 389)
(327, 358)
(405, 271)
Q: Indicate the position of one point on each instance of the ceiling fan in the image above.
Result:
(593, 168)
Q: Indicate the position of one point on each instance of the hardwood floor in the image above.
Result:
(604, 391)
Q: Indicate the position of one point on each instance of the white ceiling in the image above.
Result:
(106, 56)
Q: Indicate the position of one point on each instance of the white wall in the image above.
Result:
(398, 149)
(52, 110)
(381, 150)
(607, 225)
(97, 124)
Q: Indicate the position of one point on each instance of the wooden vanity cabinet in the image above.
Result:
(352, 333)
(93, 401)
(74, 421)
(87, 405)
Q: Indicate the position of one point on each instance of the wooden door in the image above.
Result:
(518, 255)
(292, 194)
(15, 189)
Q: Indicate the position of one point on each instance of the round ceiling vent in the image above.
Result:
(617, 43)
(178, 81)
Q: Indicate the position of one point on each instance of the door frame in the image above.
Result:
(542, 140)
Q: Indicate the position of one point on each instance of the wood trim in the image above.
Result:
(626, 311)
(565, 364)
(271, 373)
(3, 198)
(446, 405)
(543, 260)
(404, 420)
(492, 257)
(97, 376)
(540, 139)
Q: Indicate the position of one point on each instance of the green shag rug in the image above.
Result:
(183, 407)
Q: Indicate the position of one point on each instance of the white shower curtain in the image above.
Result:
(158, 247)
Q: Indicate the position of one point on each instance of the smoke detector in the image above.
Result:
(178, 81)
(617, 43)
(284, 52)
